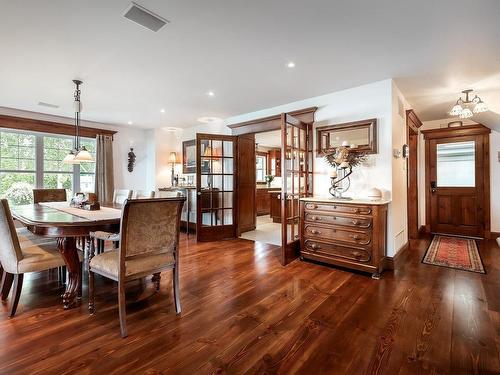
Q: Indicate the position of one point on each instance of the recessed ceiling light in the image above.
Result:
(162, 110)
(171, 128)
(290, 64)
(211, 93)
(208, 119)
(49, 105)
(130, 122)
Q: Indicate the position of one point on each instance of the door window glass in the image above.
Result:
(455, 164)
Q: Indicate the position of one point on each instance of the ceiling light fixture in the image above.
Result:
(208, 119)
(162, 110)
(291, 64)
(130, 123)
(461, 107)
(79, 154)
(210, 93)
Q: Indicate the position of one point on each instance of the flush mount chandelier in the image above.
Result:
(462, 107)
(80, 153)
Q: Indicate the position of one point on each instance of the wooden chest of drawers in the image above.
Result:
(350, 234)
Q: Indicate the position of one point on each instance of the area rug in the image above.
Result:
(454, 252)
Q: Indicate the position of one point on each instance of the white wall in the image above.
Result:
(126, 136)
(375, 100)
(494, 172)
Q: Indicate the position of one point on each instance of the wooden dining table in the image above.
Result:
(65, 224)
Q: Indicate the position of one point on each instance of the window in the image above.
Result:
(261, 167)
(456, 164)
(34, 160)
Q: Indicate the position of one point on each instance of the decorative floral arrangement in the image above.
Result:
(20, 193)
(269, 178)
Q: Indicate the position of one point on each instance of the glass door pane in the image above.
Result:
(215, 186)
(456, 164)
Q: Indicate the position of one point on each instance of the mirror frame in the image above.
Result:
(370, 124)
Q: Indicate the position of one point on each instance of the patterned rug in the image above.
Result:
(454, 252)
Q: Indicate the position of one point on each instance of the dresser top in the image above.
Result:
(346, 201)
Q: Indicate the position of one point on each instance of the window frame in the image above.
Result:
(263, 155)
(39, 158)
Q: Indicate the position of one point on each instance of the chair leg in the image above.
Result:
(177, 296)
(18, 285)
(80, 288)
(7, 279)
(121, 308)
(91, 293)
(156, 279)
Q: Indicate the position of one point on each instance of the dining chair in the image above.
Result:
(16, 260)
(149, 244)
(49, 195)
(143, 194)
(121, 195)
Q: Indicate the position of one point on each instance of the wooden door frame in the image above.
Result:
(469, 130)
(413, 124)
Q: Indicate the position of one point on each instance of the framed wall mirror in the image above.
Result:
(361, 136)
(189, 156)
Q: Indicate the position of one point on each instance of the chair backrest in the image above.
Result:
(10, 250)
(49, 195)
(149, 227)
(121, 195)
(143, 194)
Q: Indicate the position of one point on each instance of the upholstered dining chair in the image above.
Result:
(143, 194)
(49, 195)
(16, 260)
(121, 195)
(149, 244)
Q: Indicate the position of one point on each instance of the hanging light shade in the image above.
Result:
(80, 153)
(461, 107)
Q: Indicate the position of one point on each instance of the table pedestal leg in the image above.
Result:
(67, 247)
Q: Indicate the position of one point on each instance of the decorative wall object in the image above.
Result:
(189, 156)
(131, 160)
(342, 160)
(361, 136)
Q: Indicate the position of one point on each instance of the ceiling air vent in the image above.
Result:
(44, 104)
(144, 17)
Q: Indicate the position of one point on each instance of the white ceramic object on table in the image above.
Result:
(374, 194)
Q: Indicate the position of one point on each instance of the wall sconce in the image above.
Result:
(131, 160)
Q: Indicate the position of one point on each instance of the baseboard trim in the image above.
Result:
(390, 262)
(494, 234)
(422, 230)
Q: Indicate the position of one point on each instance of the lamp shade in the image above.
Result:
(83, 156)
(173, 157)
(70, 158)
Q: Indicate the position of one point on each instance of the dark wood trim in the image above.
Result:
(422, 230)
(477, 129)
(470, 130)
(369, 123)
(391, 262)
(269, 123)
(42, 126)
(494, 235)
(412, 120)
(413, 123)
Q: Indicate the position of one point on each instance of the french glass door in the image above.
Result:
(297, 168)
(215, 187)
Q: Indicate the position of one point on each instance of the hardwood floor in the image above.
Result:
(245, 313)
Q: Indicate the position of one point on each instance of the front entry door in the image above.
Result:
(456, 168)
(215, 187)
(296, 177)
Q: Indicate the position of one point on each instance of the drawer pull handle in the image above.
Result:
(356, 210)
(356, 254)
(354, 237)
(315, 247)
(355, 222)
(315, 231)
(315, 218)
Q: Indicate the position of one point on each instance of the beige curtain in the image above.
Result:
(104, 182)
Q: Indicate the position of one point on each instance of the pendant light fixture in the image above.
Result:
(79, 154)
(462, 106)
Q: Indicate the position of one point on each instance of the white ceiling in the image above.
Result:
(239, 49)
